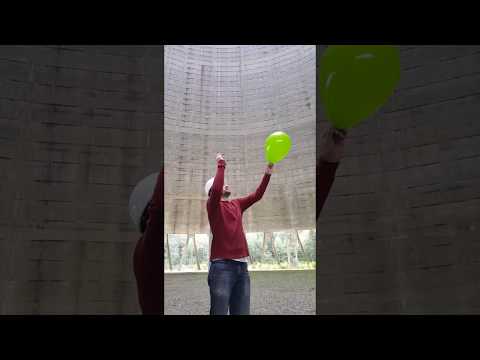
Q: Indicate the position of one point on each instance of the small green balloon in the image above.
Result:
(356, 80)
(277, 146)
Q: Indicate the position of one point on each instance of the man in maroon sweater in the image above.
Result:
(228, 276)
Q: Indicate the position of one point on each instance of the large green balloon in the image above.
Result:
(277, 146)
(355, 80)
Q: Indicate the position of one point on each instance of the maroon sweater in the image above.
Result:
(225, 217)
(148, 256)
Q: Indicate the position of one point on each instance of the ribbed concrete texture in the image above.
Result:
(79, 127)
(229, 99)
(400, 232)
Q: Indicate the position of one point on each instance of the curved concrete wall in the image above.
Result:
(228, 99)
(400, 232)
(79, 127)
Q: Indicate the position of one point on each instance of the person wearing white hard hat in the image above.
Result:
(228, 277)
(146, 211)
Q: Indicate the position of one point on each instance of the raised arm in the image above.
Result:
(329, 155)
(325, 176)
(251, 199)
(217, 186)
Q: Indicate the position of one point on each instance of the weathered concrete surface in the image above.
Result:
(229, 99)
(284, 292)
(400, 232)
(79, 126)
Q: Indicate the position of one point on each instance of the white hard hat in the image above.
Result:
(208, 185)
(140, 196)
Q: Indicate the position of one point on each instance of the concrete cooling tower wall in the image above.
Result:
(229, 99)
(79, 127)
(400, 232)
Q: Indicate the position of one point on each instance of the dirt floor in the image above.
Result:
(272, 293)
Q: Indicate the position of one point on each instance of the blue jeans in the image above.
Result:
(229, 284)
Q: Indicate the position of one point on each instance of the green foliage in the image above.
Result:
(281, 251)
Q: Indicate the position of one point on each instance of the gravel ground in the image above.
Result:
(272, 293)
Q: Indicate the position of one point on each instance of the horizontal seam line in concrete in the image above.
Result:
(405, 89)
(91, 70)
(473, 94)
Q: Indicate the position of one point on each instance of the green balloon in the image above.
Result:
(356, 80)
(277, 146)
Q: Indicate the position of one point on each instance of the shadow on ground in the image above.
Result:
(272, 293)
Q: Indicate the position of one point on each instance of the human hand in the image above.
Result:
(332, 145)
(269, 169)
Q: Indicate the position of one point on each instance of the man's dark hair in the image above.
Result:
(144, 218)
